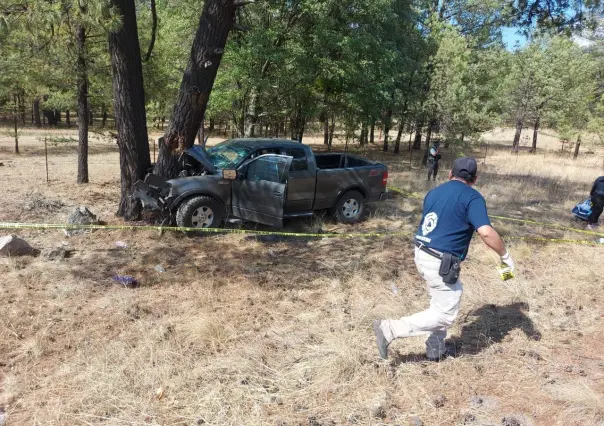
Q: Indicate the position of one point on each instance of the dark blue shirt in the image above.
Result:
(452, 212)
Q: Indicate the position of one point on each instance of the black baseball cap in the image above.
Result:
(465, 168)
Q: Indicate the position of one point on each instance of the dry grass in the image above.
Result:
(241, 331)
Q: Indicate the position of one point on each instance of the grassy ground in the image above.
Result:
(240, 330)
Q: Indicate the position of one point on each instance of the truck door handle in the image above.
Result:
(278, 194)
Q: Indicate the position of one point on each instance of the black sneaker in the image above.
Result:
(380, 339)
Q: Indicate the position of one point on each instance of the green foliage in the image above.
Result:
(303, 61)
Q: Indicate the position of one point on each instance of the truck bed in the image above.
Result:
(340, 172)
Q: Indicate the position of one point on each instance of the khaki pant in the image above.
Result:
(434, 321)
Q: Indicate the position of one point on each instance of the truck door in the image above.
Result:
(260, 192)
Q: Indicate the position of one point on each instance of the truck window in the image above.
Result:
(299, 161)
(269, 169)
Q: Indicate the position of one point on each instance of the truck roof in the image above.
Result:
(262, 142)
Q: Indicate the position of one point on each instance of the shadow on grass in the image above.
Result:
(483, 327)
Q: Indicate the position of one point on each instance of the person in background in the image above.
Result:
(433, 158)
(452, 212)
(597, 199)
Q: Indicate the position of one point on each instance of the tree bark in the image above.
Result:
(82, 100)
(577, 146)
(37, 121)
(535, 133)
(372, 132)
(216, 21)
(516, 142)
(67, 118)
(129, 106)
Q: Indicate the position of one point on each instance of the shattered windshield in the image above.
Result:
(226, 156)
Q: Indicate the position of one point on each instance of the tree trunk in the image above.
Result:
(91, 116)
(428, 140)
(15, 121)
(399, 135)
(516, 143)
(201, 137)
(372, 132)
(577, 146)
(82, 100)
(325, 129)
(362, 137)
(21, 100)
(37, 121)
(251, 116)
(153, 30)
(104, 119)
(129, 106)
(67, 118)
(216, 21)
(535, 133)
(387, 124)
(57, 114)
(301, 129)
(332, 128)
(417, 143)
(50, 117)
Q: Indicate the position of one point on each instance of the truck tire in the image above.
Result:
(200, 212)
(350, 207)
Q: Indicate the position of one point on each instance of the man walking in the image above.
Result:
(597, 199)
(433, 158)
(451, 214)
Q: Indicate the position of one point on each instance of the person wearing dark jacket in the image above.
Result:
(597, 199)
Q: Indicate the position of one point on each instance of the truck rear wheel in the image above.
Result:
(199, 212)
(350, 207)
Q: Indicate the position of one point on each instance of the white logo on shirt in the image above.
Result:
(429, 223)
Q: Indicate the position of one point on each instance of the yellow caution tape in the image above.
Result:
(549, 225)
(511, 219)
(12, 225)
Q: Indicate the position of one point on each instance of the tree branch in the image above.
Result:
(153, 31)
(240, 3)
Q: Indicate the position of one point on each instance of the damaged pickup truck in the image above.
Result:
(263, 181)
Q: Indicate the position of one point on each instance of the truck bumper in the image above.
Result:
(152, 193)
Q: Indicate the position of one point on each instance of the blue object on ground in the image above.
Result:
(583, 210)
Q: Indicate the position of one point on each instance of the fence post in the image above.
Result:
(46, 157)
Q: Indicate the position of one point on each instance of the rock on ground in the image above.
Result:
(81, 216)
(11, 245)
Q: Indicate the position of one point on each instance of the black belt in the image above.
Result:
(428, 250)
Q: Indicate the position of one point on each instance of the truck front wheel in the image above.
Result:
(350, 207)
(199, 212)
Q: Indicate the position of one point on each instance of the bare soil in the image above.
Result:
(261, 331)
